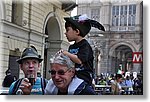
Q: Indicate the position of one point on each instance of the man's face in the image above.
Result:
(30, 66)
(61, 76)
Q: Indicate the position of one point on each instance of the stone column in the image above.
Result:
(54, 46)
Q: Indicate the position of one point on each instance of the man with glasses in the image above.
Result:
(64, 81)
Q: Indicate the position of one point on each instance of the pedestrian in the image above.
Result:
(102, 82)
(80, 52)
(9, 78)
(116, 87)
(64, 81)
(129, 83)
(31, 84)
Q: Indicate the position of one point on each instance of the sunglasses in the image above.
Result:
(59, 72)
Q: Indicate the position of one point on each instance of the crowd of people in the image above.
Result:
(71, 71)
(125, 84)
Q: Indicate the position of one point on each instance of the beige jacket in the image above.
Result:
(116, 88)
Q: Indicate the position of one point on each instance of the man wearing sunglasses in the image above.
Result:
(64, 81)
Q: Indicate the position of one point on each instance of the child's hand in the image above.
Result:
(65, 52)
(62, 52)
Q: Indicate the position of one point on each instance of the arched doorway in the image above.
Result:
(52, 42)
(121, 58)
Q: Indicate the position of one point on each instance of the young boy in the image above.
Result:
(80, 52)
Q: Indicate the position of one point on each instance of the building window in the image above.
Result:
(13, 65)
(17, 10)
(132, 13)
(95, 13)
(123, 15)
(115, 16)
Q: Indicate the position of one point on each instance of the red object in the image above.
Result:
(137, 57)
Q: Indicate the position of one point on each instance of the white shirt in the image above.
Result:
(51, 89)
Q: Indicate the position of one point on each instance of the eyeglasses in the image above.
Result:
(59, 72)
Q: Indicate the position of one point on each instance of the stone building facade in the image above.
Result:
(114, 48)
(31, 22)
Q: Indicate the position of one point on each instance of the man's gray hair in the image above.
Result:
(60, 58)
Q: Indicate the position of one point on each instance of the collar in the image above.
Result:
(53, 90)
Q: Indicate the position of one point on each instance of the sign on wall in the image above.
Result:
(137, 57)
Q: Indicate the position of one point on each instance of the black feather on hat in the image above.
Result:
(83, 23)
(97, 25)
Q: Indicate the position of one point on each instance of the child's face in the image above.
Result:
(71, 34)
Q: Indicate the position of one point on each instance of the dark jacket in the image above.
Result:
(84, 89)
(8, 80)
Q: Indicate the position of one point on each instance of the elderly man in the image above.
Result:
(30, 64)
(64, 81)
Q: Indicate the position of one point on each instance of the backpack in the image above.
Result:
(84, 89)
(18, 82)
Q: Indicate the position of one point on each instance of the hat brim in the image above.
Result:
(28, 57)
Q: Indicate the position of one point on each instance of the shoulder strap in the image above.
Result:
(43, 84)
(16, 86)
(80, 88)
(84, 89)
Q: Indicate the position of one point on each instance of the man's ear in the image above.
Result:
(73, 72)
(20, 65)
(39, 65)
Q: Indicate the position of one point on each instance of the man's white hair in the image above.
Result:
(60, 58)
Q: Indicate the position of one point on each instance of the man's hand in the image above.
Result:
(25, 86)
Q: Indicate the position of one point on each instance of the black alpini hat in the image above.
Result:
(83, 23)
(30, 52)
